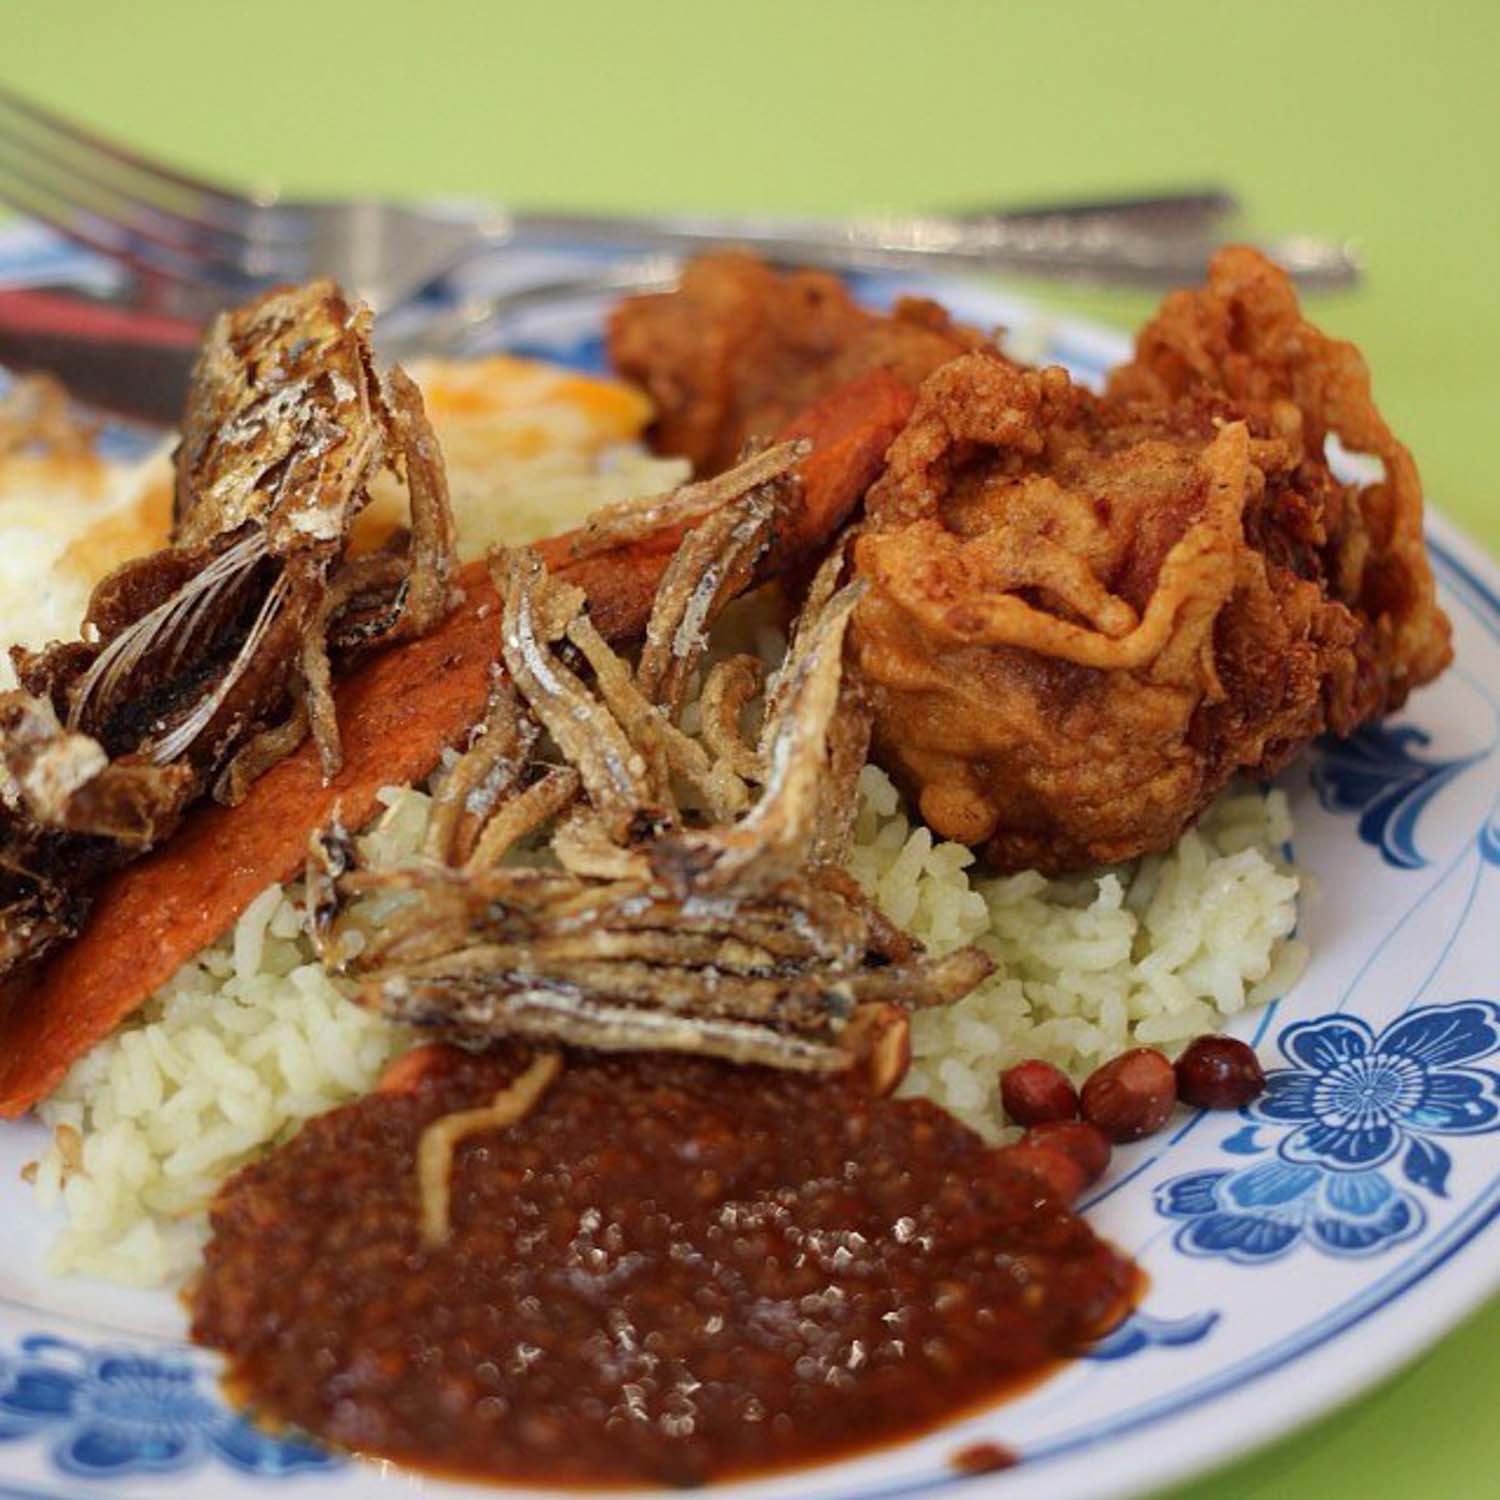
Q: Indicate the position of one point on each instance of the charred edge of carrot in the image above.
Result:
(399, 711)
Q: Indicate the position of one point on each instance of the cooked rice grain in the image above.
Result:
(252, 1037)
(1151, 953)
(230, 1055)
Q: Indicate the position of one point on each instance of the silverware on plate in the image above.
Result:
(191, 247)
(205, 244)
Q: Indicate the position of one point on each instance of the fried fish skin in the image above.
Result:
(202, 664)
(1087, 613)
(738, 349)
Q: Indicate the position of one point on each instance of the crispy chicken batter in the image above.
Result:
(737, 350)
(1087, 613)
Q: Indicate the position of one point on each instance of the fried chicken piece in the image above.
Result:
(1087, 613)
(1244, 338)
(737, 350)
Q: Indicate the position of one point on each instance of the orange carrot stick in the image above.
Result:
(397, 714)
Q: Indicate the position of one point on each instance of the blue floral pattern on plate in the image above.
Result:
(1351, 1103)
(1356, 1100)
(1143, 1330)
(1489, 841)
(1260, 1213)
(1376, 774)
(1184, 1363)
(111, 1412)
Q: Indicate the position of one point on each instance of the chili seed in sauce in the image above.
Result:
(672, 1270)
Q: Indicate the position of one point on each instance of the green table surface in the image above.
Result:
(1376, 120)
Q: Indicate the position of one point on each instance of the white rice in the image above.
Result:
(1151, 953)
(252, 1037)
(231, 1054)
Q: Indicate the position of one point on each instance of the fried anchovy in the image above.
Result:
(738, 936)
(544, 1012)
(729, 688)
(484, 779)
(714, 564)
(630, 520)
(615, 772)
(774, 839)
(521, 814)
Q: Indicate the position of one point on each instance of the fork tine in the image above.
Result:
(71, 201)
(70, 198)
(152, 199)
(119, 241)
(219, 204)
(94, 182)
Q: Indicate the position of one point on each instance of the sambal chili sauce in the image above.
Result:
(672, 1270)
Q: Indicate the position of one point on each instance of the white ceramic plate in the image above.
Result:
(1296, 1253)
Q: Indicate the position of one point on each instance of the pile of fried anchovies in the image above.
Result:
(693, 895)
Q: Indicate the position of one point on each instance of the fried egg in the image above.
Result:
(530, 449)
(67, 520)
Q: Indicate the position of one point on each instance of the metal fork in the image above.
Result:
(197, 245)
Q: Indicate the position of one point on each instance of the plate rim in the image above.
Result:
(1142, 1459)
